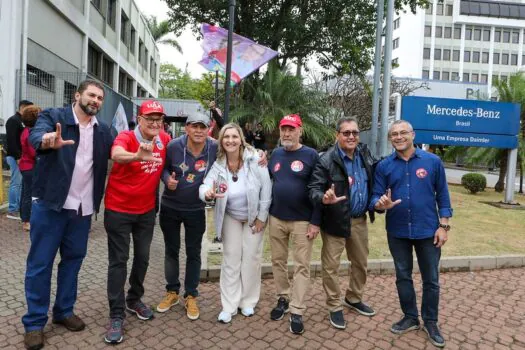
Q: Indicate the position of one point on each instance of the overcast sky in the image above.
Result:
(191, 48)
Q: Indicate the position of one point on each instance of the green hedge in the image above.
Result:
(474, 182)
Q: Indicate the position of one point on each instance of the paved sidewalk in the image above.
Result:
(480, 310)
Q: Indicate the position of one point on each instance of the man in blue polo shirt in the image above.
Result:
(411, 185)
(292, 218)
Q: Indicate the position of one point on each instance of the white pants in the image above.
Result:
(241, 265)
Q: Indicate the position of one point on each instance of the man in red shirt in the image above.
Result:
(139, 157)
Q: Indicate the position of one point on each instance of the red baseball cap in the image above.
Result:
(291, 120)
(151, 107)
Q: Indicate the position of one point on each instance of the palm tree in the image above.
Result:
(280, 93)
(159, 30)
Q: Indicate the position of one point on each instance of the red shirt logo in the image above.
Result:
(276, 167)
(297, 166)
(200, 166)
(421, 173)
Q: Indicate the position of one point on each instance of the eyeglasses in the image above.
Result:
(151, 121)
(401, 133)
(354, 133)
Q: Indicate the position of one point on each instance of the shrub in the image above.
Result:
(474, 182)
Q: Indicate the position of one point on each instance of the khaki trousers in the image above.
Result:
(281, 232)
(357, 253)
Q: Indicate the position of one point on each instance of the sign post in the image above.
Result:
(468, 123)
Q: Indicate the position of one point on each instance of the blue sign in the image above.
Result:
(466, 139)
(474, 123)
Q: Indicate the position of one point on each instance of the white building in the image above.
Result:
(48, 46)
(460, 40)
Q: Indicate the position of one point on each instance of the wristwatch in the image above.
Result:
(445, 227)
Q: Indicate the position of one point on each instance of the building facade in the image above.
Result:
(474, 41)
(51, 45)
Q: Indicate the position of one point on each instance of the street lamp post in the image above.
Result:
(229, 61)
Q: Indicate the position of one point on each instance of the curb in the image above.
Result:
(386, 266)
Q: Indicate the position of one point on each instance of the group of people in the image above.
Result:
(298, 193)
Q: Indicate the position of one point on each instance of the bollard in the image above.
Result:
(2, 177)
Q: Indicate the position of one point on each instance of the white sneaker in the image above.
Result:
(247, 311)
(13, 216)
(226, 317)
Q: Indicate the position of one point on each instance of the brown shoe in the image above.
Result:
(73, 323)
(34, 340)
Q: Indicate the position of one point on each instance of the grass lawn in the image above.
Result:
(477, 229)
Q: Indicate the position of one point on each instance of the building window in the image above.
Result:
(514, 59)
(124, 24)
(445, 76)
(506, 37)
(457, 32)
(122, 78)
(428, 10)
(132, 38)
(474, 78)
(446, 55)
(146, 55)
(439, 10)
(466, 56)
(428, 31)
(396, 23)
(505, 58)
(395, 43)
(129, 87)
(425, 74)
(152, 69)
(475, 56)
(97, 3)
(40, 79)
(395, 62)
(455, 55)
(437, 54)
(465, 77)
(477, 34)
(522, 59)
(515, 37)
(484, 78)
(485, 57)
(454, 76)
(486, 34)
(449, 12)
(93, 61)
(495, 58)
(107, 71)
(503, 78)
(111, 16)
(436, 75)
(69, 93)
(426, 53)
(497, 36)
(448, 32)
(439, 32)
(468, 34)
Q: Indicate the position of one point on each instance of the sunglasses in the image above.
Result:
(354, 133)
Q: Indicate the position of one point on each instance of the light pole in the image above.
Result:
(385, 108)
(377, 76)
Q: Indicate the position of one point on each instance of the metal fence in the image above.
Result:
(57, 89)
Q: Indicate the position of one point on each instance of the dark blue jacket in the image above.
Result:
(54, 168)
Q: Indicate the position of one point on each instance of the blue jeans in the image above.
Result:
(15, 186)
(428, 260)
(25, 201)
(194, 227)
(52, 231)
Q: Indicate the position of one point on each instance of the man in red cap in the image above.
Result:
(130, 207)
(292, 218)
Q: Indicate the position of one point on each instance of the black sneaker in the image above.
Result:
(337, 319)
(434, 335)
(360, 307)
(142, 311)
(279, 311)
(406, 324)
(296, 324)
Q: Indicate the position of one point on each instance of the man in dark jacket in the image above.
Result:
(342, 184)
(14, 128)
(73, 149)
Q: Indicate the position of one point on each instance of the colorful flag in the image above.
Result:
(247, 55)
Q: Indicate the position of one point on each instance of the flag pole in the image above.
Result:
(227, 86)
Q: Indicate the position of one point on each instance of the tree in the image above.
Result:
(176, 83)
(159, 31)
(339, 34)
(280, 93)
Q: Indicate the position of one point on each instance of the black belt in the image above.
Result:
(358, 216)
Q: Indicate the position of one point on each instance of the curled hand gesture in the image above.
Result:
(330, 197)
(385, 202)
(53, 140)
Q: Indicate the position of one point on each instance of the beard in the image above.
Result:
(287, 144)
(88, 109)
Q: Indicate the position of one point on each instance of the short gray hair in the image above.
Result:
(345, 120)
(397, 122)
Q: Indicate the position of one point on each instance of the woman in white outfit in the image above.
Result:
(242, 190)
